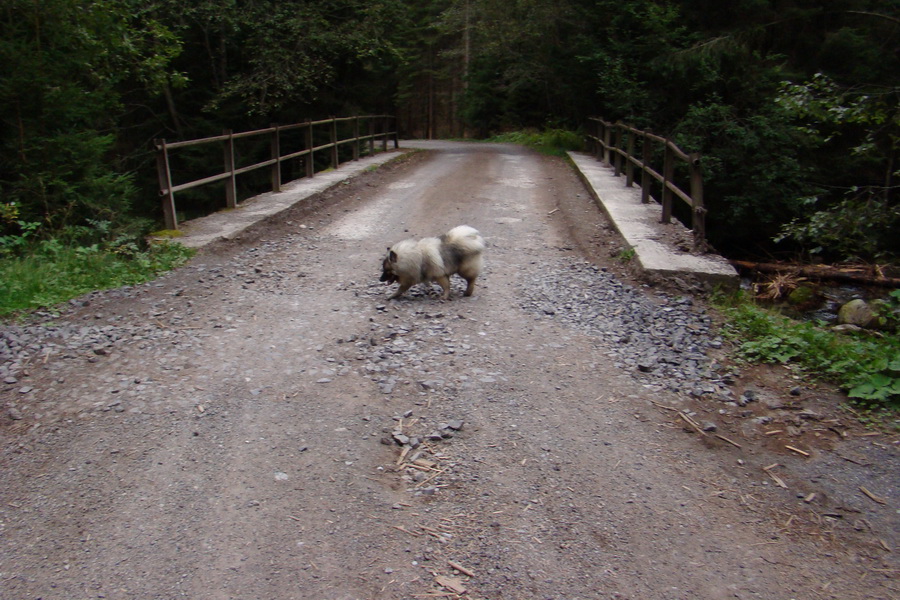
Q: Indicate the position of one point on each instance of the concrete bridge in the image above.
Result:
(660, 249)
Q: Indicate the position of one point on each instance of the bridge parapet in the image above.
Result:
(656, 160)
(315, 137)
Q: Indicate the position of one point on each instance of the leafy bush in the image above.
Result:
(752, 172)
(856, 136)
(862, 227)
(866, 366)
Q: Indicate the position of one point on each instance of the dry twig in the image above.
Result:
(872, 496)
(722, 437)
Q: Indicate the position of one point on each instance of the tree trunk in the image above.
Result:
(173, 112)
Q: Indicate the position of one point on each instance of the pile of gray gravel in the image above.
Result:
(44, 336)
(662, 339)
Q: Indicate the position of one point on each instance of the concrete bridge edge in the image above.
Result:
(639, 224)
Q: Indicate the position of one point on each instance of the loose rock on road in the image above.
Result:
(264, 423)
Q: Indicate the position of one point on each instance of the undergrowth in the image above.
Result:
(49, 273)
(865, 364)
(555, 142)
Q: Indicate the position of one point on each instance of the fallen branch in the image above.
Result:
(822, 272)
(692, 423)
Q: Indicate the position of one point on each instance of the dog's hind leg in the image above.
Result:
(470, 286)
(444, 282)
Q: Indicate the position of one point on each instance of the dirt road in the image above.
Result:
(228, 432)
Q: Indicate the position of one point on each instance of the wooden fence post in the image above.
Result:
(629, 165)
(231, 181)
(310, 164)
(668, 176)
(334, 148)
(371, 135)
(356, 138)
(617, 158)
(165, 184)
(646, 151)
(275, 144)
(384, 130)
(698, 222)
(607, 139)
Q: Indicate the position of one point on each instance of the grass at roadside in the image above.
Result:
(54, 274)
(865, 364)
(555, 142)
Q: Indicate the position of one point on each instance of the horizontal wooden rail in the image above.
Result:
(615, 143)
(380, 127)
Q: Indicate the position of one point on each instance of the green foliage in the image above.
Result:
(499, 65)
(828, 111)
(54, 273)
(15, 243)
(862, 129)
(862, 227)
(64, 66)
(627, 254)
(555, 142)
(867, 367)
(752, 170)
(633, 81)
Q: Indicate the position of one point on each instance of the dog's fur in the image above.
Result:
(435, 259)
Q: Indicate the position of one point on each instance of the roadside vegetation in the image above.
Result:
(552, 141)
(863, 363)
(40, 274)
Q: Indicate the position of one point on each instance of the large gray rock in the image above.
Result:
(858, 312)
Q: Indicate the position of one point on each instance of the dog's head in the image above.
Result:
(387, 267)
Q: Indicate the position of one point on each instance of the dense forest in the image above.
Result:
(792, 103)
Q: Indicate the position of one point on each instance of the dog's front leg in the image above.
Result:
(401, 291)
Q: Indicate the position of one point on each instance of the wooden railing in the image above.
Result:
(379, 127)
(617, 143)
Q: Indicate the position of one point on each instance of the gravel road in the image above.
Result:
(264, 424)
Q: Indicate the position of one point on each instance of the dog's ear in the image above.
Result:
(392, 256)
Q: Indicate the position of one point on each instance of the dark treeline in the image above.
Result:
(794, 103)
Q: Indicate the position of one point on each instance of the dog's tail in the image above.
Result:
(464, 238)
